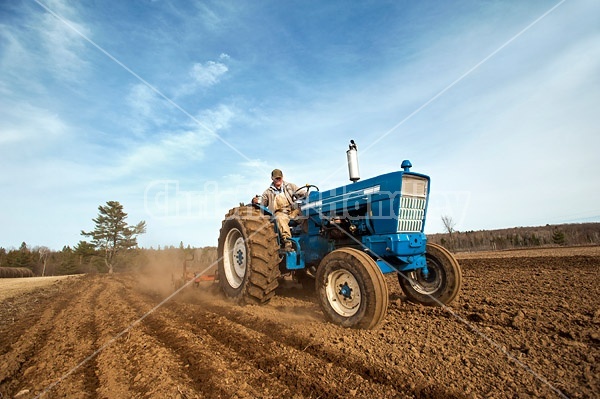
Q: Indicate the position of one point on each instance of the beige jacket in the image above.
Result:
(288, 190)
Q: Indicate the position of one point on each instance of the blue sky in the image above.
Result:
(180, 109)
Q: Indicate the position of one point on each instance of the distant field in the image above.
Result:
(533, 252)
(10, 287)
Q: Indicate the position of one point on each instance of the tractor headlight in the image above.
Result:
(413, 202)
(414, 186)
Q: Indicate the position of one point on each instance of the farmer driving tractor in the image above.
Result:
(280, 198)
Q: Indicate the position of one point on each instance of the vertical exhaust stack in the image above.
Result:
(352, 155)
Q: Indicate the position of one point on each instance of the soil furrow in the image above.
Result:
(209, 374)
(303, 373)
(308, 371)
(135, 364)
(20, 346)
(214, 369)
(354, 361)
(90, 329)
(52, 369)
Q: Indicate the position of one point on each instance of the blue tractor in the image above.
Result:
(345, 240)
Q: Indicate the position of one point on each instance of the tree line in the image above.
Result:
(575, 234)
(84, 258)
(113, 240)
(112, 247)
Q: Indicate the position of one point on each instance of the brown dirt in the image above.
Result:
(593, 250)
(525, 326)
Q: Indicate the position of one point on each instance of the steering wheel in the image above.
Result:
(307, 187)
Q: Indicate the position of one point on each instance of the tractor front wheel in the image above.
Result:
(440, 285)
(351, 289)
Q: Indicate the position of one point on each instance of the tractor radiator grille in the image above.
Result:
(412, 204)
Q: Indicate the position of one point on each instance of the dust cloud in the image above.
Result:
(165, 272)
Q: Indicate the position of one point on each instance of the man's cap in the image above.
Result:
(276, 173)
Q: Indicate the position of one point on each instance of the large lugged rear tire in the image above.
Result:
(248, 265)
(442, 284)
(351, 289)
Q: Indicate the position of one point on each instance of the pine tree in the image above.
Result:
(112, 233)
(85, 253)
(558, 237)
(68, 263)
(23, 257)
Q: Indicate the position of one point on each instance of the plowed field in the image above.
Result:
(523, 326)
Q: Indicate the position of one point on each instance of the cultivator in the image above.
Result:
(188, 275)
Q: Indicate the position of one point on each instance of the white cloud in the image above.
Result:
(148, 110)
(190, 143)
(203, 75)
(44, 44)
(208, 74)
(215, 16)
(29, 125)
(182, 141)
(14, 55)
(218, 118)
(40, 150)
(62, 40)
(258, 164)
(142, 99)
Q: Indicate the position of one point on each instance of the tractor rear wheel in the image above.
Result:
(248, 265)
(441, 284)
(351, 289)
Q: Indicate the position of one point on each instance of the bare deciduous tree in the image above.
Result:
(449, 224)
(44, 253)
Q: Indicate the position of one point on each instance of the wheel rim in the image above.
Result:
(343, 293)
(235, 258)
(426, 285)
